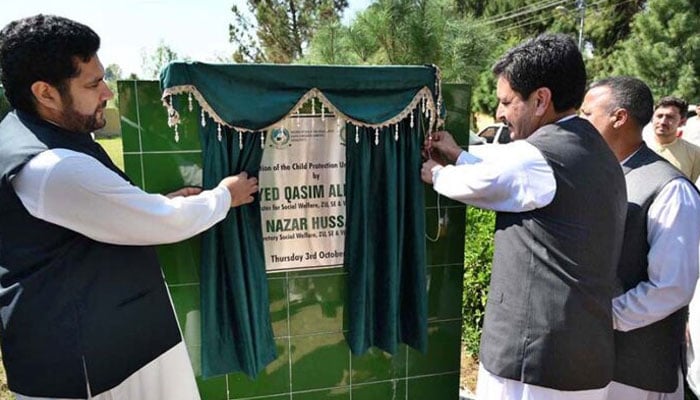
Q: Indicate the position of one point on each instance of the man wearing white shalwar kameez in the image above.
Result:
(659, 264)
(84, 309)
(560, 199)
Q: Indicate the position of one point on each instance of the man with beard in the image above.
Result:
(84, 310)
(560, 199)
(669, 115)
(658, 267)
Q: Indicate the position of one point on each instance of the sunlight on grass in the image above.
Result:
(113, 147)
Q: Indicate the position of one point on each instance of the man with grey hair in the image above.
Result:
(658, 267)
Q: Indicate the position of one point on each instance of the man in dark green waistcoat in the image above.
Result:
(84, 311)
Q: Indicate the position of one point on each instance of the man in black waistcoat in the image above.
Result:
(560, 199)
(84, 310)
(658, 267)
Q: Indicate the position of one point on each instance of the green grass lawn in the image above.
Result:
(113, 146)
(4, 390)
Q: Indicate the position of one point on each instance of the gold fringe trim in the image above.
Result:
(424, 96)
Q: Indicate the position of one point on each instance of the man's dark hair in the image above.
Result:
(42, 48)
(549, 60)
(632, 94)
(672, 101)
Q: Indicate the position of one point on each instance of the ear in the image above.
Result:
(619, 117)
(543, 99)
(46, 95)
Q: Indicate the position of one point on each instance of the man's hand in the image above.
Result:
(426, 172)
(241, 187)
(443, 143)
(184, 192)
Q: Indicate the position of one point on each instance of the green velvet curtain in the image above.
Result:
(236, 329)
(385, 252)
(384, 248)
(254, 96)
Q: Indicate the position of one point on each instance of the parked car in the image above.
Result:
(495, 134)
(474, 139)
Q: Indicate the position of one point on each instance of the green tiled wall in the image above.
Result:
(306, 307)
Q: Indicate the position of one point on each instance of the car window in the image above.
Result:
(474, 139)
(489, 133)
(504, 137)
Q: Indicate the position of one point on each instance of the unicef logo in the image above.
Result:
(279, 137)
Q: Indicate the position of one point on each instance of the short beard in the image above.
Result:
(73, 121)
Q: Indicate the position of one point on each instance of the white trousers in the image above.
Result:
(168, 377)
(492, 387)
(618, 391)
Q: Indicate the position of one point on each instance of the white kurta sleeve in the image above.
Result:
(513, 177)
(674, 238)
(77, 192)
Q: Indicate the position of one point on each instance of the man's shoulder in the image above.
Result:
(573, 125)
(575, 131)
(692, 147)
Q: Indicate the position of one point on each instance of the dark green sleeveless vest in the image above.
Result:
(648, 357)
(71, 306)
(549, 316)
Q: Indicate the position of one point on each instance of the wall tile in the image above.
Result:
(195, 353)
(320, 361)
(431, 199)
(392, 390)
(457, 99)
(276, 397)
(129, 117)
(277, 290)
(212, 388)
(180, 261)
(377, 365)
(273, 380)
(316, 303)
(444, 286)
(340, 393)
(443, 355)
(132, 167)
(187, 308)
(156, 135)
(165, 173)
(449, 246)
(434, 387)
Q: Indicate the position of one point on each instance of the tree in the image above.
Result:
(152, 63)
(484, 89)
(520, 18)
(409, 32)
(606, 21)
(113, 73)
(282, 28)
(663, 49)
